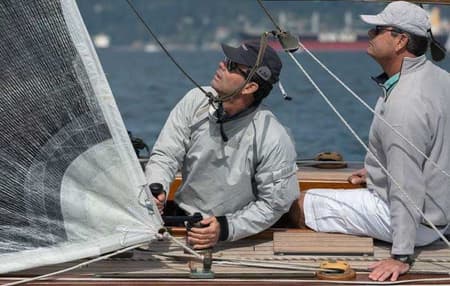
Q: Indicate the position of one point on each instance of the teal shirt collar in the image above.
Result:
(391, 82)
(387, 83)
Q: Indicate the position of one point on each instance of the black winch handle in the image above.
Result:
(156, 189)
(190, 221)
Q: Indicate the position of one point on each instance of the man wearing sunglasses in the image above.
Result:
(237, 161)
(416, 102)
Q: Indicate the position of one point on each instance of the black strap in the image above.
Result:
(223, 227)
(220, 119)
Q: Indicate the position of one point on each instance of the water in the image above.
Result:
(147, 86)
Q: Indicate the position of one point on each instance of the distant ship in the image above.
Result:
(336, 42)
(322, 42)
(345, 40)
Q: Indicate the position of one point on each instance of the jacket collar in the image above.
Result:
(243, 113)
(413, 64)
(409, 65)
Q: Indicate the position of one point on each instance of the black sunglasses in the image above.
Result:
(378, 29)
(234, 67)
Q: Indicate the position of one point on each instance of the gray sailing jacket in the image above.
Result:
(251, 179)
(418, 107)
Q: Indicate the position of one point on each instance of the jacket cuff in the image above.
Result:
(223, 222)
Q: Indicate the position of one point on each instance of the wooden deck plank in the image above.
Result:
(313, 242)
(151, 264)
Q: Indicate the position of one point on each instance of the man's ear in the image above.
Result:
(402, 42)
(250, 88)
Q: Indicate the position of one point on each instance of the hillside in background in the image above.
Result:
(200, 21)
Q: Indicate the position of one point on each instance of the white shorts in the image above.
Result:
(355, 211)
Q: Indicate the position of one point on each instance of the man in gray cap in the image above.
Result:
(415, 101)
(237, 161)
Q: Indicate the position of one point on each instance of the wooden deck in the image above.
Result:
(165, 263)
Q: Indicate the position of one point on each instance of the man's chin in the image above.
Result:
(213, 84)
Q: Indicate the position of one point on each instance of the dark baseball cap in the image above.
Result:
(247, 53)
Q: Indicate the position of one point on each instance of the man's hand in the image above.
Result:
(384, 269)
(205, 237)
(358, 177)
(160, 200)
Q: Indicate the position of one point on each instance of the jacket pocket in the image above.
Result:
(283, 192)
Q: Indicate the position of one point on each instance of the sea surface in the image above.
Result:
(148, 85)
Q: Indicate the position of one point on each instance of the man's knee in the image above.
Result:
(296, 213)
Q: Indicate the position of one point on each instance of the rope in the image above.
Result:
(283, 265)
(307, 258)
(102, 257)
(272, 266)
(106, 256)
(239, 262)
(188, 249)
(347, 258)
(254, 263)
(278, 281)
(274, 281)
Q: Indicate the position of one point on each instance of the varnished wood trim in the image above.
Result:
(308, 178)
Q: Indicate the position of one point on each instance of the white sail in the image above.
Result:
(71, 185)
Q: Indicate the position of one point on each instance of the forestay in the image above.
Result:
(71, 186)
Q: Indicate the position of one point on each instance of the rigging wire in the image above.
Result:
(372, 110)
(263, 42)
(136, 12)
(330, 104)
(170, 236)
(269, 15)
(357, 97)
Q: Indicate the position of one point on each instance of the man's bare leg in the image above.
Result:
(296, 213)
